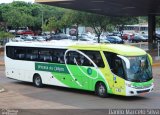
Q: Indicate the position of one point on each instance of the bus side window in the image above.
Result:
(45, 55)
(32, 54)
(19, 53)
(60, 55)
(84, 61)
(54, 57)
(61, 59)
(118, 70)
(110, 59)
(95, 56)
(115, 64)
(70, 58)
(10, 52)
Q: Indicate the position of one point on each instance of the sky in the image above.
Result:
(9, 1)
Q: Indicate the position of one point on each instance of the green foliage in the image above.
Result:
(97, 22)
(66, 19)
(45, 28)
(22, 14)
(77, 17)
(4, 35)
(53, 24)
(124, 20)
(14, 18)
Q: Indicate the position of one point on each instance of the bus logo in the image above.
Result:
(89, 71)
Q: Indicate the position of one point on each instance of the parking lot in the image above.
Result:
(23, 95)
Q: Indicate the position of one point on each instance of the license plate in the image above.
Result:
(142, 94)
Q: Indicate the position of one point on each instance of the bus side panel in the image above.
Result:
(13, 69)
(25, 70)
(49, 79)
(73, 78)
(17, 69)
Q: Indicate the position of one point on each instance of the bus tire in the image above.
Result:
(101, 90)
(37, 81)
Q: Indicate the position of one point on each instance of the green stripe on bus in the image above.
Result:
(51, 67)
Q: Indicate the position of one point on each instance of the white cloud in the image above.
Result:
(9, 1)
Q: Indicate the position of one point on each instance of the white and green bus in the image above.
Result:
(103, 68)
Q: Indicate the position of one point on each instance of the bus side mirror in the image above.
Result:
(150, 59)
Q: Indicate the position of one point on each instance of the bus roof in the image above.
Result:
(125, 50)
(120, 49)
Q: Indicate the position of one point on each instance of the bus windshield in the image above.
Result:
(139, 69)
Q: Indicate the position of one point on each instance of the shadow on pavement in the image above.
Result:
(70, 91)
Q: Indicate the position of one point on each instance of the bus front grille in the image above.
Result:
(143, 91)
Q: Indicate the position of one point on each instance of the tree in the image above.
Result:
(53, 24)
(158, 21)
(97, 22)
(4, 35)
(18, 19)
(11, 14)
(13, 18)
(65, 20)
(28, 20)
(77, 18)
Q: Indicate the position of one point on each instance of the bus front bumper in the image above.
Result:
(130, 91)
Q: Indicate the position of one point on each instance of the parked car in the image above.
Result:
(85, 38)
(127, 36)
(74, 38)
(25, 32)
(47, 37)
(139, 38)
(59, 37)
(12, 31)
(114, 39)
(87, 35)
(39, 38)
(28, 38)
(18, 38)
(104, 41)
(116, 33)
(145, 36)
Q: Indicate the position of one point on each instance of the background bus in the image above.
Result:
(135, 29)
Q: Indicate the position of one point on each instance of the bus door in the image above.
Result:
(118, 74)
(82, 65)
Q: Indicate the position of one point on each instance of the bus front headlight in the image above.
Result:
(128, 85)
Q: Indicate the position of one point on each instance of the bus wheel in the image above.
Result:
(101, 90)
(37, 81)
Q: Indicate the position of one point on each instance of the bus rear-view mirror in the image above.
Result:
(125, 60)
